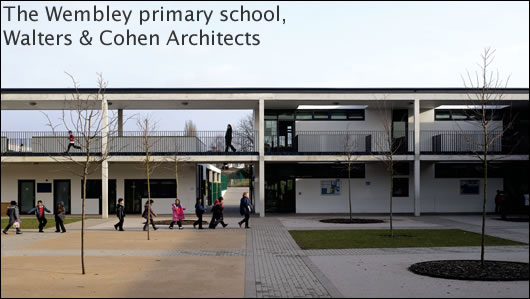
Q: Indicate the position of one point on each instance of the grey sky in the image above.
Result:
(358, 44)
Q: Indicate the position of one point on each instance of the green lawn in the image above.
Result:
(379, 238)
(32, 223)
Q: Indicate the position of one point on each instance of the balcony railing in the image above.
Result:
(129, 143)
(246, 143)
(340, 142)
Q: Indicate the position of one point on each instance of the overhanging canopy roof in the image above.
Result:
(242, 98)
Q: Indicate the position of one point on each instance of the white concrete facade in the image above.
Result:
(370, 194)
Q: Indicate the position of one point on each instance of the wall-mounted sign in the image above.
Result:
(330, 187)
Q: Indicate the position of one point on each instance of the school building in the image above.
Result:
(299, 149)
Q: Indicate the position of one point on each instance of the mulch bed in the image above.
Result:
(354, 220)
(472, 270)
(513, 219)
(184, 222)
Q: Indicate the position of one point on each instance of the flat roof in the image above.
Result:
(259, 90)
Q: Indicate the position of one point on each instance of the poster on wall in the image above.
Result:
(330, 187)
(469, 186)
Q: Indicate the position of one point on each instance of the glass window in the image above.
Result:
(442, 115)
(339, 115)
(469, 187)
(321, 115)
(356, 114)
(44, 187)
(400, 187)
(304, 114)
(93, 188)
(459, 114)
(286, 115)
(401, 168)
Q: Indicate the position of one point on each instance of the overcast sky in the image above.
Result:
(358, 44)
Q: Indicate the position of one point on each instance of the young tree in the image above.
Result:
(388, 146)
(350, 148)
(484, 100)
(149, 140)
(86, 115)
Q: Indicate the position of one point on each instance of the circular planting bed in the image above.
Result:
(354, 220)
(472, 270)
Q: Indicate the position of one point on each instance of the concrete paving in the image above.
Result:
(262, 262)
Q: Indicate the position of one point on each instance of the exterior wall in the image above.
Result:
(366, 198)
(442, 195)
(43, 172)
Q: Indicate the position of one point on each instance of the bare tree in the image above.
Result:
(245, 133)
(388, 146)
(190, 129)
(87, 117)
(484, 102)
(147, 127)
(350, 147)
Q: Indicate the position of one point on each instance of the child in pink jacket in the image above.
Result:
(178, 214)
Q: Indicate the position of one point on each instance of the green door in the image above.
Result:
(26, 195)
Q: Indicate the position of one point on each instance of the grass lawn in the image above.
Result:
(32, 223)
(380, 238)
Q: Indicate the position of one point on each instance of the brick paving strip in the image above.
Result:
(281, 268)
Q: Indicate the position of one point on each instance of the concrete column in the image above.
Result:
(104, 164)
(261, 168)
(417, 175)
(120, 122)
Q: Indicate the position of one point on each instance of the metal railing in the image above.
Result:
(340, 142)
(129, 143)
(471, 142)
(25, 143)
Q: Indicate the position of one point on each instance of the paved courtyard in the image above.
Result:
(263, 261)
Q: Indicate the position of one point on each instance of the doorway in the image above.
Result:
(134, 190)
(26, 195)
(61, 192)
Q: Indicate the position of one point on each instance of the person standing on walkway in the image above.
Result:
(178, 214)
(39, 211)
(228, 139)
(120, 213)
(149, 206)
(71, 143)
(14, 218)
(199, 210)
(498, 201)
(59, 217)
(245, 208)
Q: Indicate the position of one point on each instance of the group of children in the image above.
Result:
(177, 210)
(178, 213)
(40, 210)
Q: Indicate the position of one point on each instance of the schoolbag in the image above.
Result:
(10, 211)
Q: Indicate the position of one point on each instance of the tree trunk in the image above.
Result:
(148, 197)
(85, 174)
(391, 193)
(482, 243)
(349, 189)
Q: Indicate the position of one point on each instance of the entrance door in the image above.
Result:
(280, 196)
(134, 190)
(285, 135)
(61, 192)
(26, 195)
